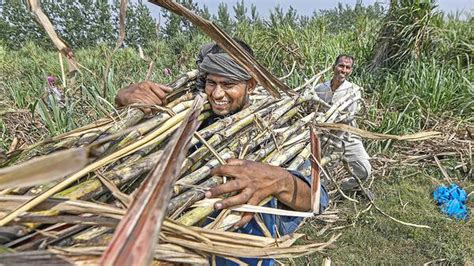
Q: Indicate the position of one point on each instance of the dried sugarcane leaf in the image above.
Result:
(9, 202)
(241, 56)
(124, 198)
(315, 171)
(246, 251)
(35, 7)
(136, 235)
(254, 209)
(122, 19)
(37, 257)
(44, 169)
(378, 136)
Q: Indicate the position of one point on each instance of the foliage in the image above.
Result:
(81, 23)
(407, 32)
(434, 84)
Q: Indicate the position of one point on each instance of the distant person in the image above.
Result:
(354, 155)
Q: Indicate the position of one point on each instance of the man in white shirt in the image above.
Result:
(339, 89)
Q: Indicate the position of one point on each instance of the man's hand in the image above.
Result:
(146, 93)
(256, 181)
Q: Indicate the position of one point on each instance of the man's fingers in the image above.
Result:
(150, 99)
(166, 88)
(245, 219)
(231, 186)
(228, 170)
(146, 110)
(236, 162)
(158, 91)
(238, 199)
(233, 168)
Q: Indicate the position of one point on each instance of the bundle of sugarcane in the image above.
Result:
(114, 156)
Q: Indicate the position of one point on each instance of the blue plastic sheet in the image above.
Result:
(452, 201)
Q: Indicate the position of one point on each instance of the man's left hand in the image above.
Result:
(254, 181)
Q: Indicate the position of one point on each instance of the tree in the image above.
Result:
(18, 25)
(177, 25)
(254, 16)
(278, 17)
(204, 12)
(240, 12)
(103, 30)
(223, 18)
(141, 30)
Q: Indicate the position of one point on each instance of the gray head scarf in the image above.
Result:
(220, 64)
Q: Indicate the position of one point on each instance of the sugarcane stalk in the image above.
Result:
(200, 174)
(195, 215)
(338, 106)
(267, 149)
(135, 115)
(183, 98)
(180, 83)
(228, 142)
(188, 198)
(149, 148)
(237, 144)
(284, 156)
(87, 189)
(197, 175)
(132, 117)
(305, 170)
(230, 152)
(136, 232)
(160, 138)
(128, 170)
(124, 173)
(300, 158)
(148, 125)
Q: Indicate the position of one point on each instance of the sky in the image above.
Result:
(307, 7)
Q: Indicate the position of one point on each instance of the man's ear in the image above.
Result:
(251, 84)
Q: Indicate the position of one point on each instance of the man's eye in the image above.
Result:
(229, 85)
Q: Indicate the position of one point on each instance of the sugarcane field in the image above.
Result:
(236, 132)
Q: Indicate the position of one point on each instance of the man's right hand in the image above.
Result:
(146, 93)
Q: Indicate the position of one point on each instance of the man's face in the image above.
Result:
(343, 68)
(227, 96)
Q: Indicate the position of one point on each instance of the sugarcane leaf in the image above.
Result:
(136, 235)
(378, 136)
(44, 169)
(43, 20)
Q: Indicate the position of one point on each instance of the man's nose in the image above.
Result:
(218, 92)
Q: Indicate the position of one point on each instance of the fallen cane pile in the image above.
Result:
(69, 219)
